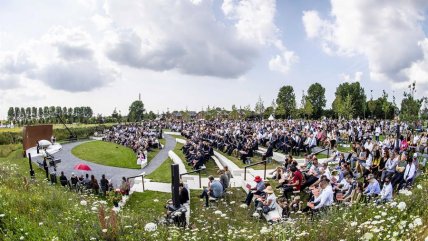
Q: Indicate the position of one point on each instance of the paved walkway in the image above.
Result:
(113, 173)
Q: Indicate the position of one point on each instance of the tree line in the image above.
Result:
(350, 102)
(49, 114)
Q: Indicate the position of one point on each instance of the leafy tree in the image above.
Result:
(34, 113)
(17, 113)
(41, 114)
(136, 111)
(46, 113)
(308, 109)
(371, 104)
(316, 96)
(344, 108)
(151, 115)
(259, 108)
(286, 101)
(10, 114)
(356, 95)
(234, 115)
(269, 111)
(247, 111)
(410, 106)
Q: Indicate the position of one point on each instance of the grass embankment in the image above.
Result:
(162, 173)
(106, 153)
(6, 150)
(152, 202)
(34, 210)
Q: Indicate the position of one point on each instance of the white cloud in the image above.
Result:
(75, 76)
(312, 23)
(283, 62)
(17, 63)
(385, 32)
(352, 78)
(8, 81)
(63, 59)
(255, 22)
(70, 43)
(190, 37)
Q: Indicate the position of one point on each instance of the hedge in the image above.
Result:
(60, 134)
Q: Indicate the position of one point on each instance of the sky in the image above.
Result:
(190, 54)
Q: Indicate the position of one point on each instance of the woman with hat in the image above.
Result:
(268, 203)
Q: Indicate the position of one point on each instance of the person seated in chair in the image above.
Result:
(267, 204)
(324, 200)
(215, 190)
(256, 190)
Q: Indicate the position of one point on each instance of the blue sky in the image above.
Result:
(190, 54)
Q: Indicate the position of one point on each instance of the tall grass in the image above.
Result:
(35, 210)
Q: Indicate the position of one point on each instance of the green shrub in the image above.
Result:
(80, 132)
(10, 138)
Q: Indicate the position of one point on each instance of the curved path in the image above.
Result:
(113, 173)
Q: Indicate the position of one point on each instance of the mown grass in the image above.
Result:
(152, 202)
(344, 149)
(106, 153)
(162, 173)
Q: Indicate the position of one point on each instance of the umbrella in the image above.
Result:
(82, 167)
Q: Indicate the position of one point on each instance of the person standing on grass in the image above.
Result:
(224, 179)
(183, 194)
(63, 179)
(94, 185)
(104, 184)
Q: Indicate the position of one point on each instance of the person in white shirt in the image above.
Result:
(409, 173)
(325, 199)
(377, 133)
(386, 193)
(369, 145)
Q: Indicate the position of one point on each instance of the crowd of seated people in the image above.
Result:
(373, 170)
(139, 137)
(197, 153)
(296, 136)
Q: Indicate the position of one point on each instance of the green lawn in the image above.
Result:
(178, 136)
(6, 150)
(107, 153)
(344, 149)
(152, 202)
(162, 173)
(254, 159)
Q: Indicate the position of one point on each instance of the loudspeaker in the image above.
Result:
(175, 185)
